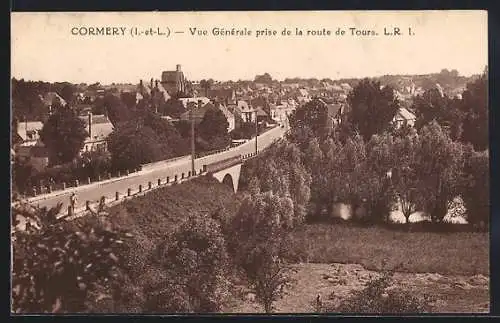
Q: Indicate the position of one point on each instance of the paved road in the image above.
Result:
(94, 191)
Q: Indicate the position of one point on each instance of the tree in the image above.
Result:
(432, 106)
(372, 107)
(281, 171)
(195, 260)
(206, 85)
(68, 93)
(132, 144)
(475, 107)
(129, 99)
(169, 137)
(64, 135)
(56, 264)
(439, 166)
(312, 115)
(257, 243)
(476, 188)
(265, 78)
(214, 124)
(116, 109)
(173, 108)
(405, 180)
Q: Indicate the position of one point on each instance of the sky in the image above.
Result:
(44, 48)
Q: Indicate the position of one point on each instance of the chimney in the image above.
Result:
(178, 67)
(90, 124)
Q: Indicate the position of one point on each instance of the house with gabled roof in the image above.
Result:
(99, 127)
(404, 117)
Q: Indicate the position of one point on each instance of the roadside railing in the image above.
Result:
(60, 187)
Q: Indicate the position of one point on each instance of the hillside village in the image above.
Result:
(263, 99)
(367, 195)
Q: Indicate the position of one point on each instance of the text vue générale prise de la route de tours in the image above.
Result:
(136, 31)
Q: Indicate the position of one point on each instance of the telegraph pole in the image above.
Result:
(192, 139)
(256, 132)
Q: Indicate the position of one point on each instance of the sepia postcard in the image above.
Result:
(311, 162)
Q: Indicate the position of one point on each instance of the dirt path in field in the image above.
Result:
(450, 294)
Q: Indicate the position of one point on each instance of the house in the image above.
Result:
(29, 130)
(30, 148)
(282, 111)
(229, 116)
(174, 81)
(199, 113)
(404, 117)
(244, 112)
(99, 128)
(51, 99)
(261, 114)
(335, 111)
(186, 101)
(226, 96)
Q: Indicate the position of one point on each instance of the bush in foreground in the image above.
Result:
(378, 298)
(194, 260)
(57, 264)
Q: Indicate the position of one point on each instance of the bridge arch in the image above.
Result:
(228, 180)
(229, 176)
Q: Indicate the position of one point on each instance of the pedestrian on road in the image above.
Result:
(102, 203)
(72, 202)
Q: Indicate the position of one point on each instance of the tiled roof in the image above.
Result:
(51, 98)
(261, 112)
(226, 112)
(406, 114)
(101, 127)
(185, 101)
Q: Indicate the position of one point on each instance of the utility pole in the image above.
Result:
(192, 139)
(256, 132)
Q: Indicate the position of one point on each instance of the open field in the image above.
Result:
(333, 282)
(450, 268)
(458, 253)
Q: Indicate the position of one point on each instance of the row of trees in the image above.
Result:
(429, 165)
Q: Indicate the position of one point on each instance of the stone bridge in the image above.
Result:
(226, 171)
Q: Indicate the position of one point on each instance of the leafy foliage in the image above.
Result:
(475, 106)
(372, 107)
(131, 145)
(64, 135)
(56, 264)
(476, 190)
(314, 115)
(439, 166)
(195, 262)
(377, 298)
(213, 129)
(280, 170)
(173, 108)
(257, 243)
(433, 106)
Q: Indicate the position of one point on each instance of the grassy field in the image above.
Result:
(460, 253)
(314, 248)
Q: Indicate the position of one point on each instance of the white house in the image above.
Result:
(404, 116)
(99, 128)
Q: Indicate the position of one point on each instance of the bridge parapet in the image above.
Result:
(223, 164)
